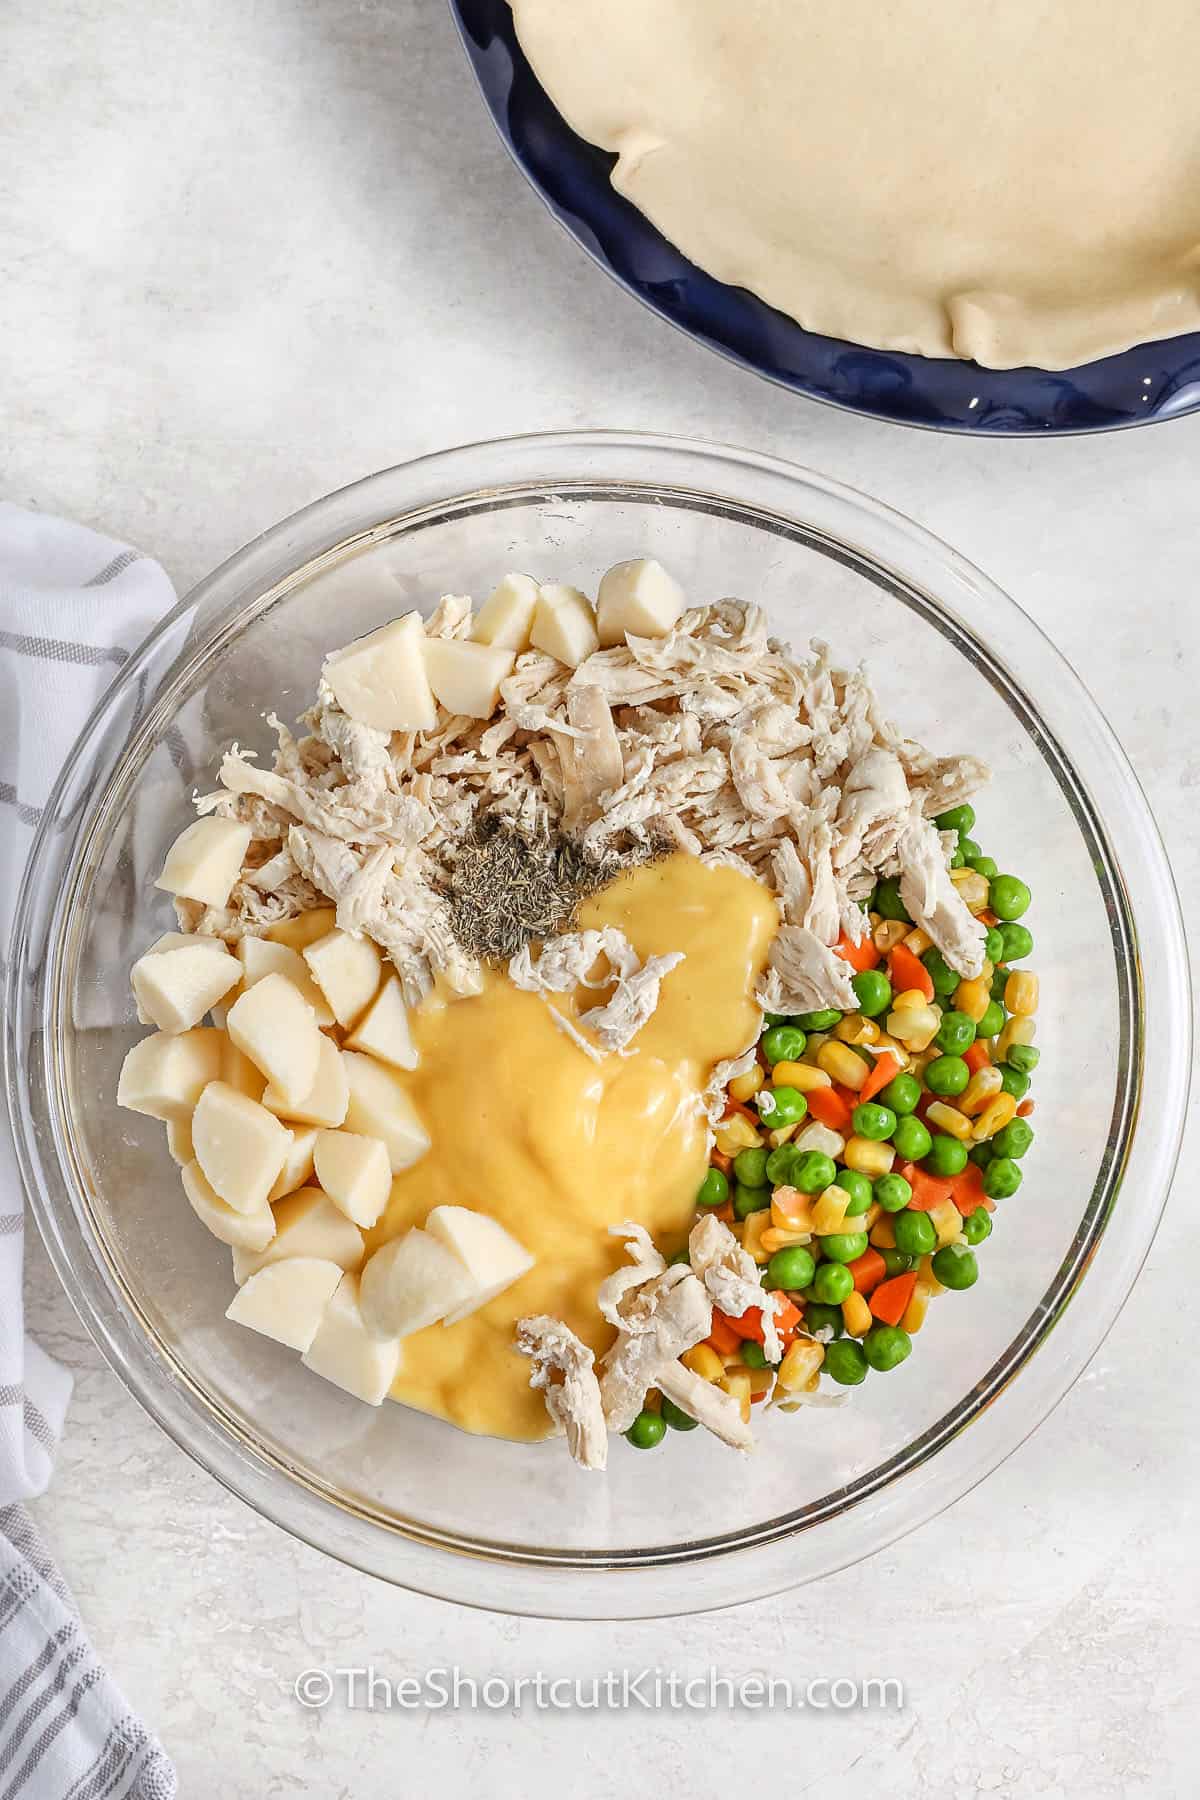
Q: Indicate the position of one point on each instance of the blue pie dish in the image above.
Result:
(1136, 387)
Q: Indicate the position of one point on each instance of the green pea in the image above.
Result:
(946, 1156)
(753, 1355)
(911, 1139)
(714, 1189)
(845, 1361)
(902, 1094)
(887, 902)
(857, 1186)
(1013, 1082)
(992, 1021)
(957, 859)
(823, 1020)
(813, 1172)
(915, 1233)
(998, 983)
(993, 945)
(844, 1246)
(892, 1192)
(956, 818)
(1023, 1057)
(747, 1200)
(947, 1075)
(832, 1283)
(1001, 1178)
(944, 978)
(886, 1346)
(783, 1043)
(676, 1418)
(750, 1167)
(774, 1019)
(1014, 1140)
(873, 1121)
(646, 1431)
(956, 1033)
(981, 1155)
(874, 991)
(791, 1269)
(781, 1106)
(985, 866)
(895, 1262)
(956, 1267)
(1018, 943)
(977, 1226)
(818, 1317)
(780, 1164)
(1008, 897)
(969, 847)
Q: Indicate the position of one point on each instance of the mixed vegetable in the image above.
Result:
(860, 1160)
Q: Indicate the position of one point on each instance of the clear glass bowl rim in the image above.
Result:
(1157, 1029)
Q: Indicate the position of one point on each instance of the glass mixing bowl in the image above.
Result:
(694, 1525)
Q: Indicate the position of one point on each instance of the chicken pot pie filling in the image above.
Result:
(614, 1023)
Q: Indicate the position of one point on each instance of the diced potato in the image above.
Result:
(175, 987)
(411, 1282)
(239, 1145)
(384, 1031)
(326, 1100)
(286, 1300)
(307, 1223)
(279, 1034)
(506, 617)
(347, 1354)
(491, 1255)
(637, 597)
(564, 624)
(205, 860)
(466, 677)
(347, 970)
(246, 1231)
(262, 956)
(237, 1071)
(356, 1174)
(165, 1074)
(297, 1164)
(381, 1108)
(179, 1140)
(380, 679)
(304, 929)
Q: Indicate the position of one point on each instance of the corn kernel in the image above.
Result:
(802, 1076)
(756, 1224)
(775, 1237)
(816, 1039)
(927, 1277)
(995, 1116)
(972, 888)
(801, 1362)
(894, 1047)
(744, 1087)
(947, 1222)
(917, 941)
(777, 1139)
(888, 933)
(883, 1232)
(703, 1360)
(1019, 1030)
(914, 1312)
(815, 1136)
(840, 1062)
(915, 1026)
(761, 1382)
(866, 1157)
(982, 1087)
(972, 998)
(829, 1214)
(791, 1210)
(908, 998)
(948, 1119)
(856, 1315)
(854, 1029)
(735, 1133)
(653, 1401)
(737, 1383)
(865, 1221)
(1021, 993)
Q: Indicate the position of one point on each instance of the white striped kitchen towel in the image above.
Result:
(72, 607)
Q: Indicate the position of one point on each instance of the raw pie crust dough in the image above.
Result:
(1016, 181)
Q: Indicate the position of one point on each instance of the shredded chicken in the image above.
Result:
(732, 1278)
(666, 1316)
(565, 963)
(563, 1369)
(933, 900)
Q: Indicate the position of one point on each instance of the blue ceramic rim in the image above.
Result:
(1145, 385)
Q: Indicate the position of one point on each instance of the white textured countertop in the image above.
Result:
(247, 253)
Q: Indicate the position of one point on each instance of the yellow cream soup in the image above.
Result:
(526, 1127)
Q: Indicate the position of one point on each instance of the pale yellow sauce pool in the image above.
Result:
(527, 1128)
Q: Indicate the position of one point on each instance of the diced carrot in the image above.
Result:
(927, 1190)
(868, 1270)
(859, 956)
(908, 971)
(968, 1193)
(1025, 1108)
(977, 1058)
(987, 917)
(787, 1317)
(750, 1324)
(725, 1213)
(890, 1298)
(924, 1103)
(884, 1069)
(736, 1106)
(720, 1160)
(828, 1108)
(723, 1338)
